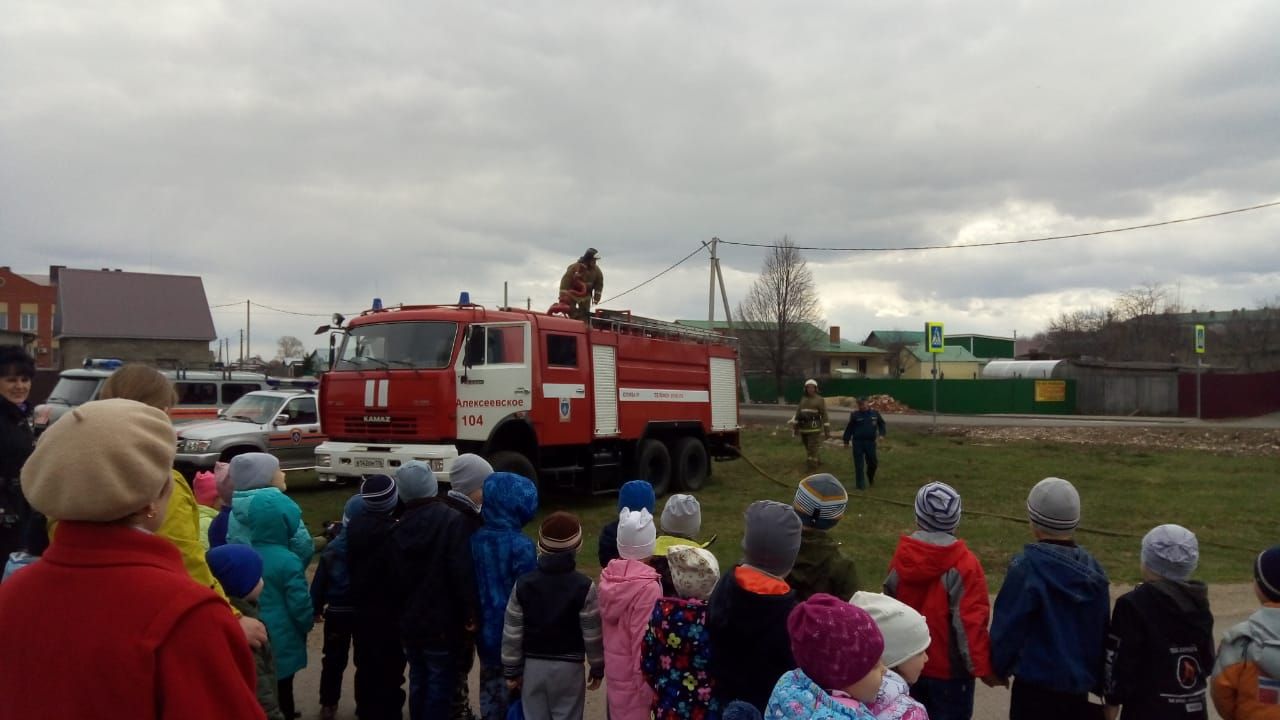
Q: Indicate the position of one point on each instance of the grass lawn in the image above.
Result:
(1222, 498)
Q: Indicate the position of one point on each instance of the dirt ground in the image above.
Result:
(1231, 604)
(1228, 441)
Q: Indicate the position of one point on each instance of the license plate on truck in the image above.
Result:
(368, 462)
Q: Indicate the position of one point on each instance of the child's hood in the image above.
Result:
(797, 696)
(920, 561)
(683, 611)
(270, 516)
(1070, 571)
(1263, 630)
(510, 501)
(627, 583)
(894, 701)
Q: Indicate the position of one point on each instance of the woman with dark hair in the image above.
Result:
(16, 443)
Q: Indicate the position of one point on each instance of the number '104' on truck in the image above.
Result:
(570, 404)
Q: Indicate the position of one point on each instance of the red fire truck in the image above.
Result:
(570, 404)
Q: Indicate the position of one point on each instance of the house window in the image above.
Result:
(30, 322)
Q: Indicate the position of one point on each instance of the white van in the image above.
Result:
(201, 393)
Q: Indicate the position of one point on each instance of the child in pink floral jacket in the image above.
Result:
(676, 650)
(906, 638)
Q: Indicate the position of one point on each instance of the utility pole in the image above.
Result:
(717, 278)
(505, 304)
(248, 342)
(711, 292)
(528, 303)
(935, 391)
(241, 347)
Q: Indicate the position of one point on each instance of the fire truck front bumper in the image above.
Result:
(343, 461)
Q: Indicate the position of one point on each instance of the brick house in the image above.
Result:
(28, 305)
(160, 320)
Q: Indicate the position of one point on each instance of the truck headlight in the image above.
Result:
(193, 446)
(323, 460)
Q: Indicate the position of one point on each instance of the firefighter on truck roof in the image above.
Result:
(582, 285)
(810, 422)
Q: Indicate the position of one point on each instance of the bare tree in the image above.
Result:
(289, 346)
(779, 314)
(1078, 333)
(1148, 299)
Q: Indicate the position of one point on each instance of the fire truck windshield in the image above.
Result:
(415, 345)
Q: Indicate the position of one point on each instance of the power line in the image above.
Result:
(1019, 242)
(290, 312)
(230, 304)
(677, 264)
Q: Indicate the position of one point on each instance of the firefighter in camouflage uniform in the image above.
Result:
(582, 284)
(810, 422)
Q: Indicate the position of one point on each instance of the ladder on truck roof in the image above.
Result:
(622, 321)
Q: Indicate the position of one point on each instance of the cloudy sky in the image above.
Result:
(313, 155)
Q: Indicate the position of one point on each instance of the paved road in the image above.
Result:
(781, 413)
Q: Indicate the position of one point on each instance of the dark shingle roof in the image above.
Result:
(102, 304)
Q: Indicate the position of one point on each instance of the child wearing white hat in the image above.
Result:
(629, 587)
(906, 642)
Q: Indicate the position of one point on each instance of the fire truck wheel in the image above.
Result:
(692, 466)
(513, 462)
(653, 463)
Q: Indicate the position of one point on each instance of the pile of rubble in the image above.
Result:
(885, 404)
(1265, 443)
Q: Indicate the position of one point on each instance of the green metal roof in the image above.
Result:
(950, 353)
(896, 337)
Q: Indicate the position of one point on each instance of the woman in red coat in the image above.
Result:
(108, 624)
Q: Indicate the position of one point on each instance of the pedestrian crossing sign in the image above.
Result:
(1199, 339)
(933, 332)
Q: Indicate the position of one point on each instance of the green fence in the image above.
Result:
(962, 397)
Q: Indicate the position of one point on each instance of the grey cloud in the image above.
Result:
(314, 156)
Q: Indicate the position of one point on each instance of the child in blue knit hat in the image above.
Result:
(238, 569)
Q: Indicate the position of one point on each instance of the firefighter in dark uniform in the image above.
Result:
(864, 428)
(810, 422)
(583, 282)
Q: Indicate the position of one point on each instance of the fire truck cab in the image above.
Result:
(570, 404)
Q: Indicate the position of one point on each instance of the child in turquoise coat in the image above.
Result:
(269, 521)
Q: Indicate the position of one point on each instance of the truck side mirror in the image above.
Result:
(282, 419)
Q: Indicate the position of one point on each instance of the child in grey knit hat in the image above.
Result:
(681, 524)
(1160, 645)
(1050, 620)
(749, 608)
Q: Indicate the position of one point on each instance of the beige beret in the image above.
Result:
(101, 462)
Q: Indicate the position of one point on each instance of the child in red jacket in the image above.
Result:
(934, 572)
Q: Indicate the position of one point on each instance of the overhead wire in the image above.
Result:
(1024, 241)
(677, 264)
